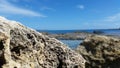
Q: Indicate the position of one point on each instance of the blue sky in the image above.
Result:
(63, 14)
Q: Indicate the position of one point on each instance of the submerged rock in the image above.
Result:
(100, 52)
(22, 47)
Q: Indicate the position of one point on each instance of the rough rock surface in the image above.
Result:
(22, 47)
(100, 52)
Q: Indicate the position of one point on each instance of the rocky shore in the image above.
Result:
(77, 35)
(69, 36)
(22, 47)
(100, 51)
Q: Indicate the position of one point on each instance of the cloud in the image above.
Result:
(21, 0)
(114, 18)
(7, 8)
(81, 7)
(47, 8)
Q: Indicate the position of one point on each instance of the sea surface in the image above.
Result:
(104, 31)
(74, 43)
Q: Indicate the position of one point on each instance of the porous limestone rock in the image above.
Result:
(22, 47)
(100, 52)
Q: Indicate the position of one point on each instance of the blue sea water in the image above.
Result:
(74, 43)
(105, 31)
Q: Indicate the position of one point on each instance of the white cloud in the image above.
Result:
(21, 0)
(81, 7)
(7, 8)
(113, 18)
(47, 8)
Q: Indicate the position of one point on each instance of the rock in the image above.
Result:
(98, 32)
(70, 36)
(100, 52)
(22, 47)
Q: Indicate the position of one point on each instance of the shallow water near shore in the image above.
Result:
(72, 43)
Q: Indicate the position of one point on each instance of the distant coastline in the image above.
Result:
(79, 34)
(76, 30)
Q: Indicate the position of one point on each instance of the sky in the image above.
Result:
(63, 14)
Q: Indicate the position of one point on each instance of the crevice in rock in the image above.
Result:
(15, 67)
(2, 59)
(76, 66)
(29, 36)
(1, 45)
(17, 49)
(112, 64)
(60, 63)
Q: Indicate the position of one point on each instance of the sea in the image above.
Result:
(74, 43)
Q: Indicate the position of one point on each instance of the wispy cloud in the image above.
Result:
(47, 8)
(21, 0)
(81, 7)
(113, 18)
(8, 8)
